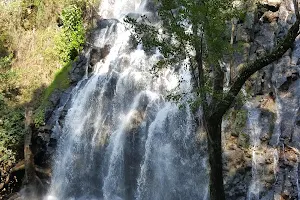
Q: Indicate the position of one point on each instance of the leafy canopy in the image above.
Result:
(184, 25)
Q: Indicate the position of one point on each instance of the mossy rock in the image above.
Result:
(239, 121)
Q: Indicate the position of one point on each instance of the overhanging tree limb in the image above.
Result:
(252, 67)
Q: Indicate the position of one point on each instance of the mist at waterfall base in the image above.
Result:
(121, 139)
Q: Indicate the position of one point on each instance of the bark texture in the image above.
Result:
(214, 112)
(28, 155)
(214, 143)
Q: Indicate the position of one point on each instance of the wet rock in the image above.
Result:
(291, 76)
(298, 120)
(104, 23)
(266, 36)
(278, 75)
(40, 143)
(55, 96)
(65, 96)
(249, 20)
(150, 6)
(243, 34)
(96, 55)
(78, 69)
(50, 112)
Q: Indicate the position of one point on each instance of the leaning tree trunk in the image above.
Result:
(214, 142)
(220, 107)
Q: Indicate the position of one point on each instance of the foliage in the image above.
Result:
(5, 61)
(183, 24)
(31, 29)
(239, 121)
(32, 49)
(186, 27)
(6, 73)
(11, 131)
(39, 117)
(72, 36)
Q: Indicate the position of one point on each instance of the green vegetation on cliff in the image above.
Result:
(39, 39)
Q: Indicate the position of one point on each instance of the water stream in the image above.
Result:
(257, 156)
(121, 139)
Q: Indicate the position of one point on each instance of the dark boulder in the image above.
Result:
(78, 69)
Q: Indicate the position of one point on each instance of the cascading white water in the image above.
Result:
(257, 157)
(296, 172)
(121, 140)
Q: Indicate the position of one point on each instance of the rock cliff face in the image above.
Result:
(262, 141)
(261, 161)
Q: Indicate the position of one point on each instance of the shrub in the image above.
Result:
(11, 131)
(72, 37)
(7, 74)
(6, 61)
(39, 117)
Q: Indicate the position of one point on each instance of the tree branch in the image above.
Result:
(199, 66)
(218, 85)
(252, 67)
(21, 166)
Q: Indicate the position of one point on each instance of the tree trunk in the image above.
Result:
(32, 184)
(30, 175)
(232, 40)
(214, 142)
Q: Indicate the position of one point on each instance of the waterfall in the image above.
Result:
(257, 157)
(121, 139)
